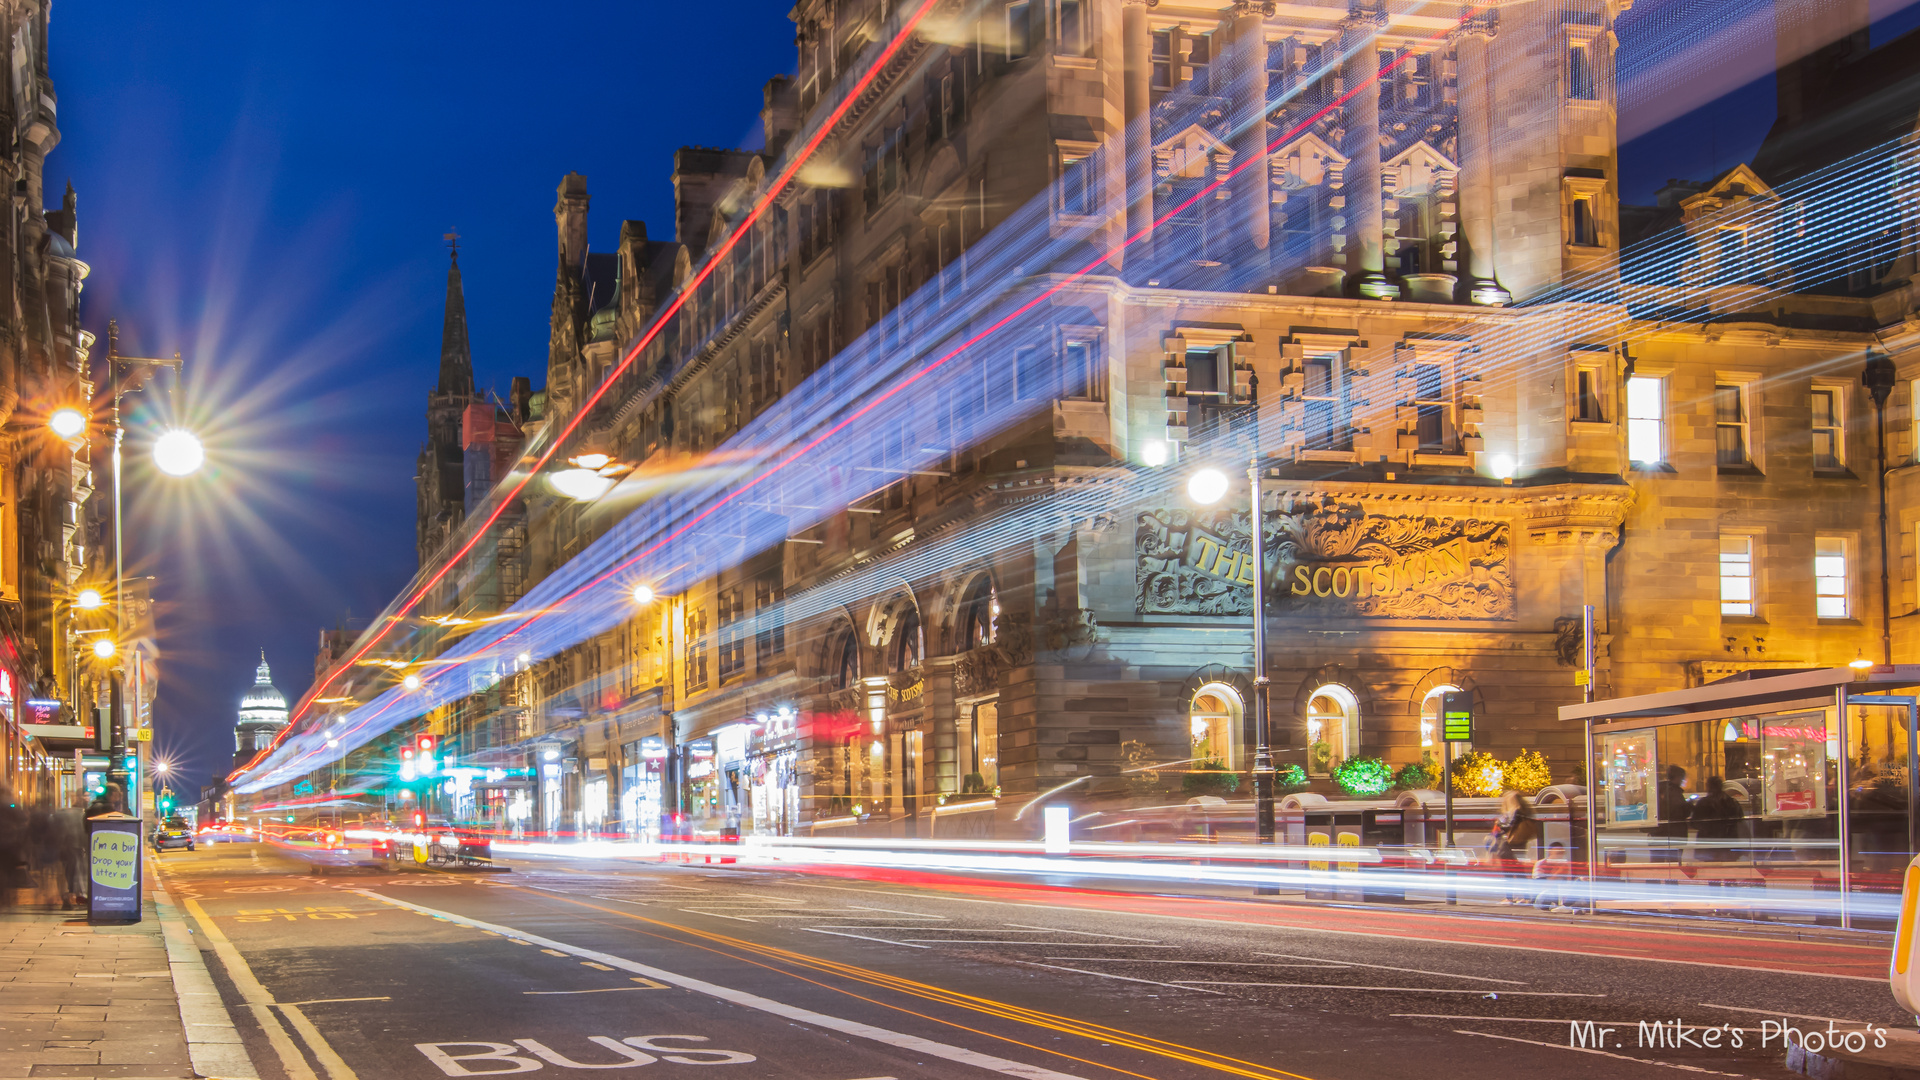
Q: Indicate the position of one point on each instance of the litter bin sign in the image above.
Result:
(113, 867)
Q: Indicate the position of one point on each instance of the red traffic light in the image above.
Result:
(406, 753)
(425, 743)
(419, 817)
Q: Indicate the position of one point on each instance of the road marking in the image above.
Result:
(911, 1043)
(1200, 963)
(1383, 967)
(329, 1001)
(1788, 1015)
(1049, 944)
(1121, 978)
(1393, 989)
(862, 937)
(257, 998)
(1081, 933)
(1402, 936)
(1602, 1053)
(716, 915)
(549, 952)
(602, 990)
(1527, 1020)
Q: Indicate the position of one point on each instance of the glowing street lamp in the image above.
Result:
(411, 682)
(178, 452)
(581, 485)
(643, 594)
(1207, 486)
(104, 648)
(89, 600)
(68, 422)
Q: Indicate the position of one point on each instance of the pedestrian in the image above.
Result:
(1515, 829)
(1717, 817)
(13, 845)
(68, 827)
(1670, 802)
(1552, 872)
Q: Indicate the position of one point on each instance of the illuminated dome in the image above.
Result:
(263, 711)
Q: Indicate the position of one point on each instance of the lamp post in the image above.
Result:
(1879, 377)
(177, 452)
(1207, 486)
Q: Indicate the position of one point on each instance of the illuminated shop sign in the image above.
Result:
(1325, 557)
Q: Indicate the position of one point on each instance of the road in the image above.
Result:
(562, 965)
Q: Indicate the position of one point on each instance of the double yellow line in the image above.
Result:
(953, 998)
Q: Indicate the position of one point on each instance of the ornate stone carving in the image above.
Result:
(976, 671)
(1325, 558)
(1569, 645)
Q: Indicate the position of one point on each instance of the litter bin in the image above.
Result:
(113, 868)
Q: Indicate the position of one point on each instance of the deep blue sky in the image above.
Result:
(264, 187)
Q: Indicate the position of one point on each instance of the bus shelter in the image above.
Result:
(1817, 769)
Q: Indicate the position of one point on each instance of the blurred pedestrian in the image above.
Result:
(1552, 872)
(68, 828)
(1670, 801)
(111, 800)
(1716, 819)
(13, 845)
(1515, 829)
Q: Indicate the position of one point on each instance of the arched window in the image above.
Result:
(847, 657)
(1214, 723)
(1333, 727)
(1430, 707)
(979, 614)
(905, 650)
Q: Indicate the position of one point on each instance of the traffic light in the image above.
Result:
(166, 802)
(424, 746)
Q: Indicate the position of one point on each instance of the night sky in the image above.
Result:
(264, 187)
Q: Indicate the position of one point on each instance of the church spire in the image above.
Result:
(456, 359)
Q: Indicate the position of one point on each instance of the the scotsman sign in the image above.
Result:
(1326, 558)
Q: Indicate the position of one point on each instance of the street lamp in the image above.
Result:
(643, 594)
(178, 452)
(67, 422)
(1879, 377)
(104, 648)
(89, 600)
(1206, 486)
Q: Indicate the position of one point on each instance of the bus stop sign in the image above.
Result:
(1456, 716)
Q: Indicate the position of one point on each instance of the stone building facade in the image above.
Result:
(1475, 417)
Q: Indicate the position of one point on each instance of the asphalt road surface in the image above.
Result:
(718, 972)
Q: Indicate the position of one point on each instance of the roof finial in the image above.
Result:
(453, 241)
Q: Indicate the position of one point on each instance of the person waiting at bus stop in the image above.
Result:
(1515, 829)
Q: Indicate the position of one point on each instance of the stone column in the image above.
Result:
(1476, 159)
(1247, 120)
(1136, 47)
(1366, 257)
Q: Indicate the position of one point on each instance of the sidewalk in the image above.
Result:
(111, 1001)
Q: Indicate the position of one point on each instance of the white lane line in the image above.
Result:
(910, 1043)
(897, 911)
(1288, 928)
(1080, 933)
(1049, 944)
(1197, 963)
(602, 990)
(1392, 989)
(1121, 978)
(862, 937)
(1408, 971)
(1603, 1053)
(716, 915)
(1532, 1020)
(1776, 1012)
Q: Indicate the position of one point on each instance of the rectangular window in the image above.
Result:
(1830, 590)
(1163, 60)
(771, 640)
(1580, 82)
(1199, 55)
(696, 639)
(1730, 425)
(1736, 575)
(1584, 233)
(1073, 28)
(1829, 429)
(1430, 401)
(1079, 187)
(1080, 372)
(949, 107)
(733, 643)
(1646, 419)
(1329, 426)
(1019, 29)
(1586, 389)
